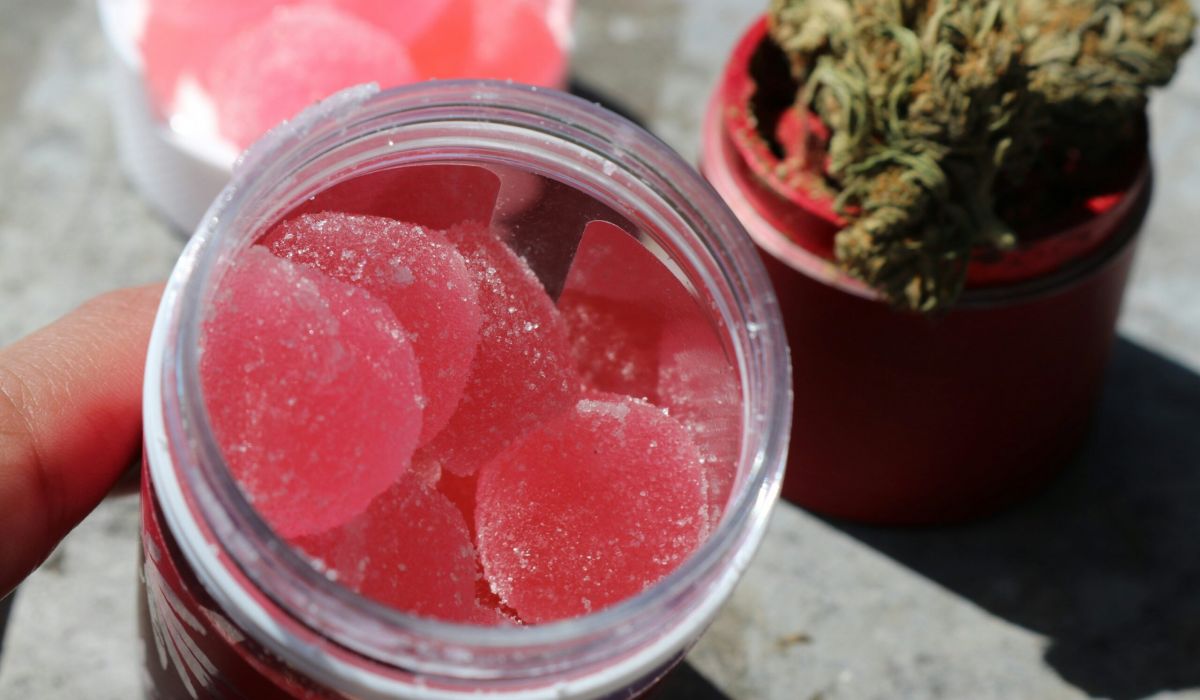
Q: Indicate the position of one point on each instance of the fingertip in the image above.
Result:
(70, 420)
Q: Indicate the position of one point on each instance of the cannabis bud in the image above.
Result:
(939, 109)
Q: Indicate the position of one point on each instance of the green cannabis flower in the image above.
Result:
(932, 105)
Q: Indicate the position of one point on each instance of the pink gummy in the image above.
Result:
(617, 299)
(509, 40)
(519, 191)
(411, 550)
(594, 507)
(311, 388)
(438, 196)
(404, 20)
(515, 42)
(637, 330)
(182, 36)
(441, 50)
(699, 387)
(611, 263)
(297, 56)
(417, 273)
(614, 344)
(461, 492)
(522, 374)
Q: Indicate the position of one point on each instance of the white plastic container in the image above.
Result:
(179, 174)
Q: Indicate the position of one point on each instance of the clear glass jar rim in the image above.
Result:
(764, 362)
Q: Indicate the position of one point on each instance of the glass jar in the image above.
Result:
(230, 610)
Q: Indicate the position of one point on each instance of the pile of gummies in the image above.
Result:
(249, 64)
(398, 395)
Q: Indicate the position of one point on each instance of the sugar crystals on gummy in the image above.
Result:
(417, 273)
(522, 374)
(595, 506)
(311, 387)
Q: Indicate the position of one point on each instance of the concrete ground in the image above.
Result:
(1088, 590)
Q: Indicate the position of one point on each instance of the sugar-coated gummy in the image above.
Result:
(612, 263)
(637, 330)
(311, 388)
(614, 343)
(405, 21)
(436, 196)
(616, 299)
(420, 276)
(597, 505)
(443, 49)
(519, 190)
(699, 386)
(293, 58)
(461, 492)
(522, 374)
(411, 550)
(181, 37)
(515, 41)
(510, 40)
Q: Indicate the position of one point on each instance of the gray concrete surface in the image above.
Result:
(1089, 590)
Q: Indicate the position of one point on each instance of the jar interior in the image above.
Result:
(633, 346)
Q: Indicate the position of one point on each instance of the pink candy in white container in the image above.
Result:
(178, 144)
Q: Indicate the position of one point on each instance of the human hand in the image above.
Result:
(70, 421)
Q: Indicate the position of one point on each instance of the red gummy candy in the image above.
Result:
(441, 50)
(614, 344)
(700, 389)
(438, 196)
(510, 40)
(594, 507)
(611, 263)
(182, 36)
(519, 190)
(636, 330)
(514, 41)
(411, 550)
(297, 56)
(403, 20)
(522, 374)
(311, 387)
(461, 492)
(417, 273)
(617, 299)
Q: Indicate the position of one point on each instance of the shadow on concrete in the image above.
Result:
(1106, 561)
(686, 683)
(5, 607)
(583, 90)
